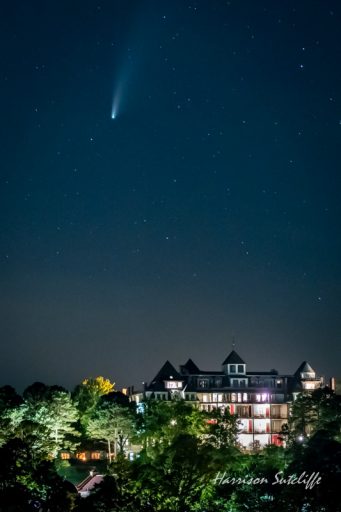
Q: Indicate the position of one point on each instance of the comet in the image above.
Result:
(116, 101)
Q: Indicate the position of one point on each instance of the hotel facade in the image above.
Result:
(260, 399)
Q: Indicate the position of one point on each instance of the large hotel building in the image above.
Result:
(261, 399)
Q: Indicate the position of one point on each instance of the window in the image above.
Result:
(203, 383)
(232, 368)
(235, 383)
(217, 397)
(64, 456)
(244, 411)
(173, 384)
(308, 385)
(308, 375)
(95, 455)
(240, 368)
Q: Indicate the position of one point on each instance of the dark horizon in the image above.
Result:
(170, 181)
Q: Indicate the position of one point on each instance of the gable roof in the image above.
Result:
(190, 367)
(167, 372)
(233, 358)
(304, 368)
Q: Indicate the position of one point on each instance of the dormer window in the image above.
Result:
(173, 384)
(234, 364)
(308, 375)
(238, 369)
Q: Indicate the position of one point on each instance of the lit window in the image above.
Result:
(257, 398)
(308, 385)
(64, 456)
(173, 384)
(203, 383)
(264, 397)
(245, 399)
(95, 455)
(217, 397)
(233, 397)
(81, 456)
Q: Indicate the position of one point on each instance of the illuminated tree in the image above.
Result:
(113, 424)
(46, 421)
(161, 422)
(311, 412)
(9, 404)
(223, 428)
(177, 479)
(87, 395)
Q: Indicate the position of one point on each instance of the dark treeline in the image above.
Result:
(188, 460)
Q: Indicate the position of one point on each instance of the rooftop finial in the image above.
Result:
(233, 343)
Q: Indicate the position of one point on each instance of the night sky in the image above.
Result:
(207, 209)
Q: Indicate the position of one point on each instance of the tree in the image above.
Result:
(310, 412)
(88, 394)
(117, 492)
(177, 478)
(223, 428)
(9, 403)
(320, 454)
(30, 485)
(46, 420)
(160, 422)
(9, 398)
(113, 424)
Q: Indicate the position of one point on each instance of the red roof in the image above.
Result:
(89, 483)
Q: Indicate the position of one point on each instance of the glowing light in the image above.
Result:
(116, 101)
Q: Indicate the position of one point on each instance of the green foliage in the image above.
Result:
(87, 395)
(9, 402)
(27, 484)
(223, 428)
(183, 451)
(311, 412)
(161, 422)
(113, 424)
(176, 478)
(46, 420)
